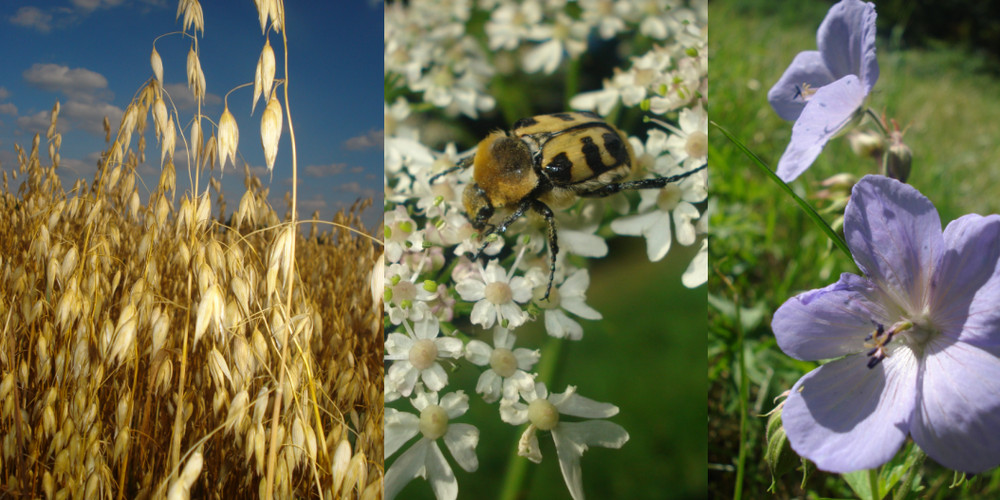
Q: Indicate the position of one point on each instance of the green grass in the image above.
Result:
(769, 250)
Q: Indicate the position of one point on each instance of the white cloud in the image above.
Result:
(89, 116)
(325, 170)
(88, 5)
(4, 93)
(370, 140)
(37, 123)
(8, 108)
(32, 17)
(76, 83)
(311, 205)
(85, 168)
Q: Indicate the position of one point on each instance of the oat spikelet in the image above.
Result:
(180, 488)
(264, 75)
(210, 311)
(157, 64)
(169, 141)
(195, 76)
(192, 15)
(270, 131)
(229, 137)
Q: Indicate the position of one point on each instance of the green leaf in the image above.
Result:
(809, 210)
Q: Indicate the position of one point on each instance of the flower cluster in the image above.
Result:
(447, 289)
(914, 340)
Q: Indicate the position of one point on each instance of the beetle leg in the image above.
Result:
(502, 228)
(655, 183)
(553, 242)
(463, 164)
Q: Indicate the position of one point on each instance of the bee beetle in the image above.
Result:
(543, 161)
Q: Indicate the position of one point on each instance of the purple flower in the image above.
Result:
(822, 90)
(918, 339)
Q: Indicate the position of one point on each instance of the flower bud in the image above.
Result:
(867, 143)
(899, 158)
(779, 455)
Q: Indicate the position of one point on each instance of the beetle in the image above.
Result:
(548, 161)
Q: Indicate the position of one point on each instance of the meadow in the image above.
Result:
(156, 345)
(765, 250)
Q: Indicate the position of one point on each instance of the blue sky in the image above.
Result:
(93, 57)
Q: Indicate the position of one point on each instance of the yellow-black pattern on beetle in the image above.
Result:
(548, 160)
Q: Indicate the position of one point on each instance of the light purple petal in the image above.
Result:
(786, 96)
(846, 40)
(461, 440)
(965, 290)
(845, 417)
(957, 418)
(828, 110)
(894, 234)
(829, 322)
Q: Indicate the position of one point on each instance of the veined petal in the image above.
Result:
(483, 313)
(449, 347)
(400, 427)
(965, 290)
(440, 475)
(455, 404)
(846, 41)
(478, 352)
(409, 465)
(807, 68)
(579, 406)
(957, 418)
(489, 385)
(461, 440)
(435, 378)
(846, 417)
(829, 322)
(828, 110)
(894, 234)
(573, 438)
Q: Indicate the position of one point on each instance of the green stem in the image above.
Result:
(517, 466)
(744, 398)
(913, 463)
(808, 209)
(878, 121)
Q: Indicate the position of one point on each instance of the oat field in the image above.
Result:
(153, 345)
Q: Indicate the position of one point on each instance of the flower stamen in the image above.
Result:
(880, 338)
(804, 92)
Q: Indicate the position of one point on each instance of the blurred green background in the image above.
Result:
(764, 250)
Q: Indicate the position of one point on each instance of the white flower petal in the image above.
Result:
(409, 465)
(435, 378)
(572, 439)
(478, 352)
(461, 440)
(400, 427)
(527, 446)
